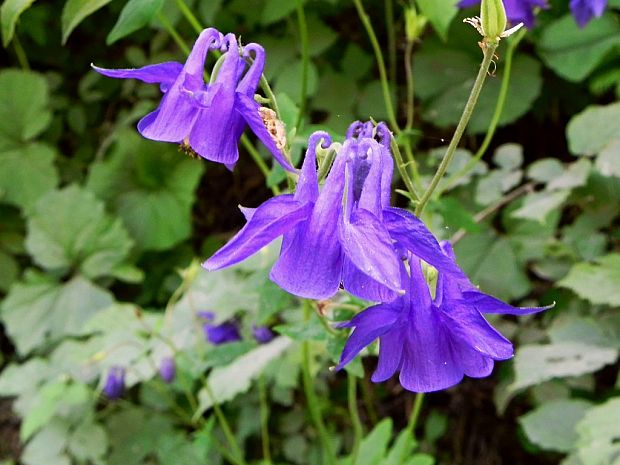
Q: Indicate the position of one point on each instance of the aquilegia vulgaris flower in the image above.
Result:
(208, 118)
(517, 11)
(433, 343)
(115, 382)
(167, 369)
(584, 10)
(221, 333)
(326, 244)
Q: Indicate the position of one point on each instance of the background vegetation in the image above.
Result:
(102, 232)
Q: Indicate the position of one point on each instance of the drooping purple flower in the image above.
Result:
(584, 10)
(209, 118)
(327, 244)
(222, 333)
(262, 334)
(517, 11)
(115, 382)
(433, 343)
(167, 369)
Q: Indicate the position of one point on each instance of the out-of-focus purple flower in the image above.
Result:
(208, 315)
(584, 10)
(208, 118)
(517, 11)
(262, 334)
(222, 333)
(115, 382)
(326, 243)
(167, 369)
(433, 343)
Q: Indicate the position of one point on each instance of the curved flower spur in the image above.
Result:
(208, 118)
(433, 343)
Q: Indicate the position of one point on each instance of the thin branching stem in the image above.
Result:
(489, 52)
(305, 63)
(358, 429)
(513, 43)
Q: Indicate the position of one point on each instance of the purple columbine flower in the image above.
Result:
(326, 243)
(433, 343)
(262, 334)
(167, 369)
(209, 118)
(517, 11)
(222, 333)
(115, 382)
(584, 10)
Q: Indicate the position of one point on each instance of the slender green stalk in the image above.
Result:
(303, 36)
(413, 418)
(410, 88)
(264, 420)
(20, 53)
(221, 418)
(385, 86)
(489, 52)
(391, 34)
(402, 169)
(173, 33)
(191, 18)
(367, 397)
(262, 166)
(311, 399)
(412, 163)
(513, 43)
(264, 84)
(358, 429)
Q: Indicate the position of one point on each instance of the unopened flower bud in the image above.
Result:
(414, 24)
(167, 369)
(262, 334)
(493, 18)
(115, 383)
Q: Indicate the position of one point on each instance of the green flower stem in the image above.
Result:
(262, 166)
(173, 33)
(264, 420)
(303, 36)
(264, 84)
(380, 63)
(412, 163)
(20, 53)
(311, 399)
(221, 418)
(191, 18)
(413, 418)
(402, 169)
(513, 43)
(368, 398)
(358, 430)
(489, 51)
(410, 88)
(391, 34)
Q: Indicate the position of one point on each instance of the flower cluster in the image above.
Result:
(523, 11)
(338, 227)
(208, 118)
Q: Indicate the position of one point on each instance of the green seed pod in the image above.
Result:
(493, 18)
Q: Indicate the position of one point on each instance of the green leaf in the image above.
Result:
(9, 271)
(444, 79)
(608, 161)
(535, 363)
(24, 111)
(374, 446)
(275, 10)
(289, 80)
(151, 186)
(538, 205)
(598, 434)
(545, 170)
(440, 13)
(88, 442)
(10, 12)
(135, 15)
(48, 445)
(38, 313)
(481, 255)
(17, 379)
(573, 52)
(69, 229)
(403, 446)
(590, 131)
(229, 381)
(26, 174)
(552, 425)
(74, 13)
(596, 282)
